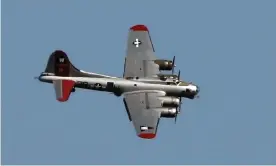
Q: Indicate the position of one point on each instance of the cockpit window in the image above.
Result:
(171, 83)
(182, 83)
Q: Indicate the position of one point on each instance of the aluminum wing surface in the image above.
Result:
(142, 108)
(139, 61)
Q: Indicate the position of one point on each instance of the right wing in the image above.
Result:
(142, 108)
(139, 61)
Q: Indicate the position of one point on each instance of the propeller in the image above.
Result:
(173, 64)
(178, 110)
(180, 100)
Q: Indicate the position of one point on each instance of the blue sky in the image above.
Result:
(226, 47)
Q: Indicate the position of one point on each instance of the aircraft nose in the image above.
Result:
(197, 89)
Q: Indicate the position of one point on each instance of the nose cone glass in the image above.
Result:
(197, 89)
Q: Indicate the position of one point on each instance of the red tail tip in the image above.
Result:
(66, 88)
(62, 99)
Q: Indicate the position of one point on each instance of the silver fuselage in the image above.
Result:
(118, 86)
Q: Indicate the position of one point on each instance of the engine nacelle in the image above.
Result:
(169, 113)
(164, 77)
(164, 64)
(170, 101)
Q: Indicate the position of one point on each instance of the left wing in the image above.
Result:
(142, 108)
(139, 61)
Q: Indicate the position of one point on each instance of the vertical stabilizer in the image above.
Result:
(59, 64)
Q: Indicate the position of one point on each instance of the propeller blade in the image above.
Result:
(179, 75)
(173, 63)
(180, 105)
(178, 109)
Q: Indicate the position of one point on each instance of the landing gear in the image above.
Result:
(73, 89)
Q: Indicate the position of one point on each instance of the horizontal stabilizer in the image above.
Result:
(63, 89)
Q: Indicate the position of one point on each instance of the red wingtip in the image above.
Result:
(139, 28)
(147, 135)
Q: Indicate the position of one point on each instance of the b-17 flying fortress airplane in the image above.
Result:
(148, 94)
